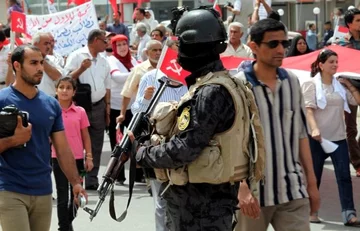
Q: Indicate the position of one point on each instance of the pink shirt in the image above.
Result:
(75, 119)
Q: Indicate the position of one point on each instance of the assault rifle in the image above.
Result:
(122, 153)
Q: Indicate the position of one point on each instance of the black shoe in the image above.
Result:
(92, 187)
(150, 192)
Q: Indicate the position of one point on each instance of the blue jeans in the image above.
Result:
(341, 162)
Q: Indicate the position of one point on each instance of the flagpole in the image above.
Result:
(12, 40)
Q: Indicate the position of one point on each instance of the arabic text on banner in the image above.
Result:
(70, 28)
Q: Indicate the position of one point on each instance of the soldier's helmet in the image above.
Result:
(199, 27)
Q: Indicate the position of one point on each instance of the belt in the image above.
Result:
(98, 102)
(2, 83)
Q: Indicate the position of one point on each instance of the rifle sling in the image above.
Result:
(131, 185)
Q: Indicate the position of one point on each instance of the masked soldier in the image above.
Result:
(206, 150)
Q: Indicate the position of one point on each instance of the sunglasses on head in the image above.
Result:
(275, 43)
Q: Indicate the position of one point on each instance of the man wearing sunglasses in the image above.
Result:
(284, 198)
(88, 66)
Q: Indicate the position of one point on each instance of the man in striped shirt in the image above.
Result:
(284, 196)
(147, 87)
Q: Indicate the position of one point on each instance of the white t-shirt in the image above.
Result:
(97, 75)
(142, 45)
(118, 74)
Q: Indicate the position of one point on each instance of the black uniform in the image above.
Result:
(196, 207)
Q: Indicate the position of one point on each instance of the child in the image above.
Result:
(76, 125)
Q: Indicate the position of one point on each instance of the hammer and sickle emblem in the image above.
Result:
(20, 23)
(174, 67)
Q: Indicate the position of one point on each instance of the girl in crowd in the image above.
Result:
(76, 125)
(326, 99)
(298, 47)
(121, 62)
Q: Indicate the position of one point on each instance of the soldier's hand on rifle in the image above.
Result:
(132, 138)
(248, 204)
(149, 92)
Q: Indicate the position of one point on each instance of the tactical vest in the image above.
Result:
(233, 155)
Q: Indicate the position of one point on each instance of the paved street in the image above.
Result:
(141, 213)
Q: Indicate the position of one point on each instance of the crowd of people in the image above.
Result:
(120, 69)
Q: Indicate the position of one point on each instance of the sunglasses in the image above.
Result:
(275, 43)
(104, 40)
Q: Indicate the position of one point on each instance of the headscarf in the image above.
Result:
(126, 60)
(293, 51)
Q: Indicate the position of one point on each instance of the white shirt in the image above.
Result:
(47, 85)
(262, 11)
(242, 51)
(3, 64)
(142, 45)
(119, 74)
(57, 59)
(97, 75)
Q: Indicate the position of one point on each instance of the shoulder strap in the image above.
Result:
(132, 176)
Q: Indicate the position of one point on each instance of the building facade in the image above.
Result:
(297, 13)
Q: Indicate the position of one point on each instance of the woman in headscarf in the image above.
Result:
(150, 18)
(298, 47)
(121, 62)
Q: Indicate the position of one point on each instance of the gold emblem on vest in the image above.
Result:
(184, 119)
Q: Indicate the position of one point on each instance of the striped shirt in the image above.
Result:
(151, 79)
(284, 124)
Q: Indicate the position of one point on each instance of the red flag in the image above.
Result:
(76, 2)
(217, 8)
(114, 6)
(168, 65)
(18, 22)
(343, 29)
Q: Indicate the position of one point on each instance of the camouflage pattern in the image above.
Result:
(197, 207)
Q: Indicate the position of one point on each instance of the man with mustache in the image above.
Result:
(52, 72)
(25, 173)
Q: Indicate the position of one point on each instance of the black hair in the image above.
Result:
(7, 31)
(341, 10)
(95, 34)
(327, 23)
(311, 25)
(349, 16)
(2, 36)
(69, 79)
(259, 29)
(321, 58)
(18, 55)
(158, 30)
(293, 51)
(274, 15)
(141, 10)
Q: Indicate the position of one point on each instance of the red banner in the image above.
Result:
(18, 22)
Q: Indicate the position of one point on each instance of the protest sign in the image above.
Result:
(70, 28)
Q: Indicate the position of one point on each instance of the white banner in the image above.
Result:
(70, 28)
